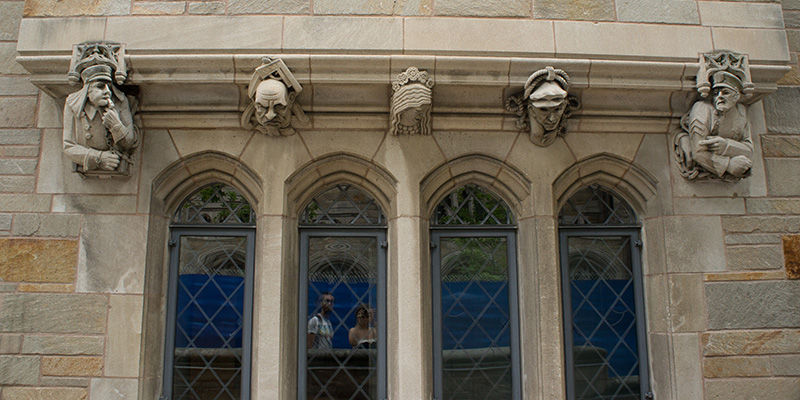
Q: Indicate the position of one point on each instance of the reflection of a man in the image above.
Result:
(363, 334)
(320, 331)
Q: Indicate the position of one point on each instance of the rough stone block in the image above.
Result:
(736, 367)
(17, 184)
(5, 222)
(124, 336)
(63, 345)
(64, 381)
(15, 86)
(10, 344)
(76, 8)
(20, 136)
(754, 257)
(120, 271)
(752, 305)
(207, 8)
(158, 7)
(669, 11)
(31, 260)
(8, 60)
(793, 36)
(685, 294)
(17, 112)
(750, 342)
(753, 238)
(53, 313)
(483, 8)
(781, 112)
(745, 276)
(694, 244)
(592, 10)
(46, 225)
(19, 151)
(72, 366)
(780, 146)
(10, 15)
(791, 19)
(19, 370)
(269, 7)
(782, 174)
(113, 389)
(791, 255)
(772, 206)
(753, 389)
(17, 166)
(35, 393)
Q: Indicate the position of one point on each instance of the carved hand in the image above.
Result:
(111, 118)
(108, 161)
(714, 144)
(685, 155)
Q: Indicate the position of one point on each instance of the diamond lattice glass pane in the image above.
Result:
(605, 353)
(343, 204)
(595, 205)
(209, 328)
(476, 354)
(472, 205)
(342, 336)
(214, 204)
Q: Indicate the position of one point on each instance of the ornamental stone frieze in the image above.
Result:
(715, 141)
(544, 105)
(410, 112)
(99, 132)
(273, 92)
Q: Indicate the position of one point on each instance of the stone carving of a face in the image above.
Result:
(547, 105)
(99, 93)
(410, 111)
(272, 102)
(725, 97)
(544, 105)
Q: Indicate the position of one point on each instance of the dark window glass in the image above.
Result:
(214, 204)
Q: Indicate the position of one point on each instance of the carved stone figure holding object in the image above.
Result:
(544, 105)
(99, 132)
(273, 91)
(715, 142)
(410, 112)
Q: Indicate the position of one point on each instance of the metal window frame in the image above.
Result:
(566, 232)
(510, 234)
(379, 233)
(172, 300)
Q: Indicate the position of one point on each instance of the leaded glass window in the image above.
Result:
(476, 341)
(209, 300)
(342, 328)
(602, 296)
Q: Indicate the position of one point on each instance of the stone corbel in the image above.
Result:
(410, 112)
(714, 142)
(544, 106)
(273, 92)
(100, 132)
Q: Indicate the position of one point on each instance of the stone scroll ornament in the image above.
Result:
(100, 132)
(273, 90)
(410, 112)
(714, 142)
(544, 105)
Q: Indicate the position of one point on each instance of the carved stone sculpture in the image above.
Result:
(411, 103)
(544, 105)
(99, 132)
(272, 91)
(715, 141)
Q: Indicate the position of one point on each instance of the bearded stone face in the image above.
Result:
(272, 103)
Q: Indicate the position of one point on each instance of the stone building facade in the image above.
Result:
(88, 264)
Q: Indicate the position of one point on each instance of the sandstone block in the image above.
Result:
(5, 222)
(75, 8)
(772, 206)
(483, 8)
(158, 7)
(671, 12)
(16, 86)
(10, 15)
(364, 7)
(736, 367)
(46, 287)
(207, 8)
(782, 176)
(754, 257)
(53, 313)
(46, 225)
(72, 366)
(791, 256)
(752, 305)
(745, 276)
(793, 35)
(64, 381)
(753, 238)
(31, 260)
(782, 116)
(120, 271)
(750, 343)
(786, 365)
(780, 146)
(592, 10)
(17, 184)
(261, 7)
(743, 15)
(30, 393)
(8, 60)
(20, 136)
(63, 345)
(10, 344)
(17, 112)
(19, 370)
(17, 166)
(791, 19)
(19, 151)
(753, 389)
(756, 224)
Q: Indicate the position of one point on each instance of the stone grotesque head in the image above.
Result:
(272, 91)
(411, 103)
(544, 105)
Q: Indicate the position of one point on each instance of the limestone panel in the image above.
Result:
(754, 257)
(342, 33)
(124, 336)
(753, 305)
(786, 365)
(190, 142)
(470, 35)
(669, 11)
(694, 244)
(63, 345)
(112, 253)
(584, 145)
(269, 7)
(781, 113)
(760, 44)
(72, 366)
(708, 206)
(688, 368)
(58, 33)
(685, 298)
(46, 225)
(592, 10)
(742, 15)
(114, 389)
(780, 146)
(484, 8)
(19, 370)
(732, 367)
(95, 204)
(33, 393)
(791, 254)
(17, 112)
(753, 389)
(53, 313)
(17, 184)
(782, 176)
(19, 136)
(8, 60)
(660, 364)
(32, 260)
(50, 112)
(158, 151)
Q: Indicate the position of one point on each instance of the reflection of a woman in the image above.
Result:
(363, 334)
